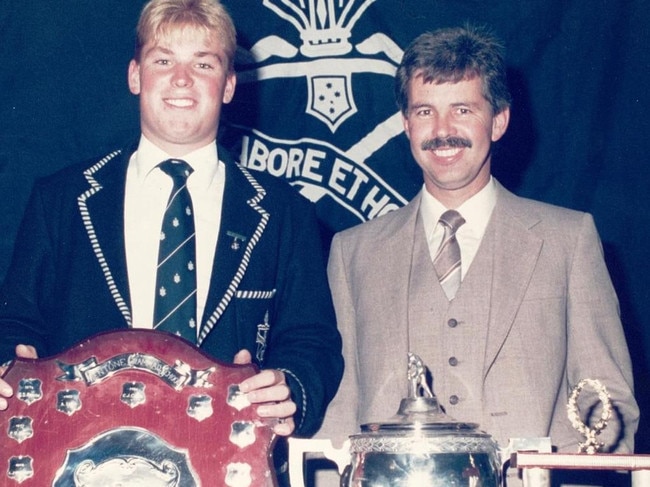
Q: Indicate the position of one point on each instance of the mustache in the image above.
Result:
(450, 141)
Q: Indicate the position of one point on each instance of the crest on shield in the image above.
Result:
(330, 99)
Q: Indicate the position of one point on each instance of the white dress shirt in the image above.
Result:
(476, 211)
(147, 192)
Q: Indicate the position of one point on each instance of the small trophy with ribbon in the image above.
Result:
(591, 445)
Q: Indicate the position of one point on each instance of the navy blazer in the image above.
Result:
(268, 292)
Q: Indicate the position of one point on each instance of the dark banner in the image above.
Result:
(314, 105)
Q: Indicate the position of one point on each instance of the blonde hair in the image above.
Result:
(160, 15)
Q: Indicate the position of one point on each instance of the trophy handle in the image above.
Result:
(298, 447)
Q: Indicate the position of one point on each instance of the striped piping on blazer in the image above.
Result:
(243, 265)
(90, 230)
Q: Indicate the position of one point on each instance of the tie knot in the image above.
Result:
(452, 219)
(178, 169)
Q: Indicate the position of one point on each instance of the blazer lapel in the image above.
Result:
(516, 252)
(102, 212)
(243, 221)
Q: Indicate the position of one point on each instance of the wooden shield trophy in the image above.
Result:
(133, 407)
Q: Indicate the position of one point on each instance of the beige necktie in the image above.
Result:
(447, 259)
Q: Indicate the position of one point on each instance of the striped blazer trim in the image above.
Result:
(243, 265)
(255, 294)
(303, 403)
(90, 230)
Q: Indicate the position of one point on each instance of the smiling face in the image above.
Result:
(182, 78)
(451, 127)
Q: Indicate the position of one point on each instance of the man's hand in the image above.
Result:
(22, 351)
(269, 390)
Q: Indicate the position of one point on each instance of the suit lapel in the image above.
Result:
(243, 221)
(516, 252)
(102, 211)
(396, 252)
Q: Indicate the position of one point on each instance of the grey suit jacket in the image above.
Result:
(537, 308)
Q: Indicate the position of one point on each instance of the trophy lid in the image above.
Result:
(421, 410)
(421, 445)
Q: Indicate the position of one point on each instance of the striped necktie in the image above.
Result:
(447, 259)
(175, 303)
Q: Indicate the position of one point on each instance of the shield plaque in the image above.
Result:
(132, 407)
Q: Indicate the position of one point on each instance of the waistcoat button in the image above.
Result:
(453, 399)
(453, 361)
(452, 323)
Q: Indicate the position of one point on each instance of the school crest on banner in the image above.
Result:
(330, 99)
(317, 108)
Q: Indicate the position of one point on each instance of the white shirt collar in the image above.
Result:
(476, 211)
(204, 161)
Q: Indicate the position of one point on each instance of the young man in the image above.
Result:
(87, 252)
(525, 308)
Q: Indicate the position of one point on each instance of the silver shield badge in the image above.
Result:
(20, 468)
(200, 407)
(20, 428)
(29, 390)
(68, 401)
(133, 394)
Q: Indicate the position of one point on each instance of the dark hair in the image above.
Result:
(450, 55)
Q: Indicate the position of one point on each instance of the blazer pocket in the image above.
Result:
(242, 294)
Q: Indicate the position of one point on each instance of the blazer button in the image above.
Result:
(453, 361)
(453, 400)
(452, 323)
